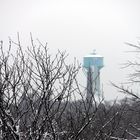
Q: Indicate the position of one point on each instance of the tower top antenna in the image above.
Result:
(94, 52)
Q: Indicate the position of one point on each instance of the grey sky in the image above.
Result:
(78, 26)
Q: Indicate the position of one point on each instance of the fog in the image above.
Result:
(79, 27)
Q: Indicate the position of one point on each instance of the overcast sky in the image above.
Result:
(79, 27)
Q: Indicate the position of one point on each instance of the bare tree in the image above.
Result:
(37, 102)
(34, 91)
(129, 88)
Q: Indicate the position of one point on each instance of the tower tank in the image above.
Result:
(93, 63)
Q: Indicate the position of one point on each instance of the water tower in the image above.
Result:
(93, 64)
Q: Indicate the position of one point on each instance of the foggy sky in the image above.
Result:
(79, 27)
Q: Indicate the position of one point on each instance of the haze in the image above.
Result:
(79, 27)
